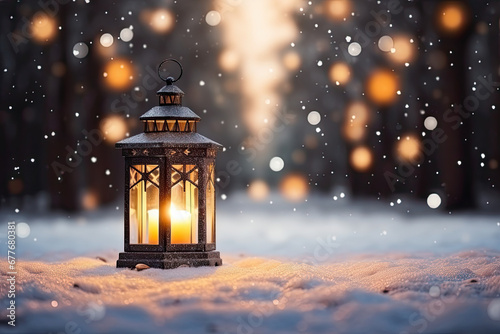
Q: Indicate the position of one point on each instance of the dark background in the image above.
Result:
(254, 78)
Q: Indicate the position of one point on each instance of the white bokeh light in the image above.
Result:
(433, 201)
(494, 309)
(354, 49)
(385, 43)
(276, 164)
(314, 118)
(430, 123)
(106, 40)
(126, 34)
(213, 18)
(22, 230)
(80, 50)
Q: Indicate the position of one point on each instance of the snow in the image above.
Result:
(320, 266)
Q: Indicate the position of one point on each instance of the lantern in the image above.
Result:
(169, 188)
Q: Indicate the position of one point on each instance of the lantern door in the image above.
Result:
(144, 229)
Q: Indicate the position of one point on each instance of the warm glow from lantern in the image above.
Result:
(180, 226)
(340, 73)
(452, 17)
(403, 50)
(118, 74)
(228, 60)
(338, 9)
(357, 116)
(382, 87)
(114, 128)
(408, 148)
(153, 226)
(294, 187)
(361, 159)
(160, 20)
(292, 60)
(258, 190)
(43, 27)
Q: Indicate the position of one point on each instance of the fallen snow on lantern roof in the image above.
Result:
(169, 112)
(165, 139)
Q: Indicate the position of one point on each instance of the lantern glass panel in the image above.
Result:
(144, 200)
(171, 125)
(184, 205)
(159, 124)
(211, 205)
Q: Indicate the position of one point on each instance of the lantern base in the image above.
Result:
(169, 260)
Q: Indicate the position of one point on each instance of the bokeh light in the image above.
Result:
(160, 20)
(228, 60)
(452, 17)
(340, 73)
(433, 201)
(357, 116)
(213, 18)
(89, 200)
(106, 40)
(361, 159)
(294, 187)
(354, 49)
(118, 74)
(43, 27)
(258, 190)
(338, 9)
(23, 230)
(385, 43)
(126, 34)
(408, 148)
(80, 50)
(430, 123)
(114, 128)
(314, 118)
(276, 164)
(403, 50)
(382, 87)
(291, 60)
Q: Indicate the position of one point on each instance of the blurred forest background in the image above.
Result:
(374, 97)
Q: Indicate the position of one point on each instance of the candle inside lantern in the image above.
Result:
(180, 227)
(153, 226)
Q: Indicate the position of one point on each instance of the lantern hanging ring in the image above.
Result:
(169, 80)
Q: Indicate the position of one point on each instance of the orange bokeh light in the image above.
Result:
(408, 148)
(89, 200)
(43, 27)
(228, 60)
(452, 17)
(160, 20)
(118, 74)
(382, 87)
(361, 159)
(294, 187)
(403, 50)
(340, 72)
(357, 116)
(258, 190)
(114, 128)
(291, 60)
(338, 9)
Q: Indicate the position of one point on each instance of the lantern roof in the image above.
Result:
(168, 139)
(170, 89)
(170, 112)
(169, 124)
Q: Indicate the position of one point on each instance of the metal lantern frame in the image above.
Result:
(169, 153)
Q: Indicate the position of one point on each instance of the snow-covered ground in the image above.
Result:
(321, 266)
